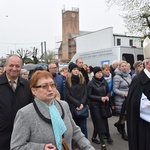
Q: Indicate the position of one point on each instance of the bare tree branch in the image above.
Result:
(136, 15)
(24, 54)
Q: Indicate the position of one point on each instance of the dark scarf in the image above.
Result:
(75, 79)
(98, 79)
(99, 82)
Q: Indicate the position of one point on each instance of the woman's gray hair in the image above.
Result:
(23, 71)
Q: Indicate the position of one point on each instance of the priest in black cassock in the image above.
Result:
(138, 106)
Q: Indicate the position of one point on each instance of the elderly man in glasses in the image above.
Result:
(59, 79)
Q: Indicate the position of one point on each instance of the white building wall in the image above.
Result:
(103, 39)
(95, 40)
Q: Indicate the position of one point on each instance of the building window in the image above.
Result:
(130, 42)
(129, 58)
(118, 41)
(140, 57)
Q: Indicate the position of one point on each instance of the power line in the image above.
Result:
(19, 43)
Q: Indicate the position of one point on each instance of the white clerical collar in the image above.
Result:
(147, 72)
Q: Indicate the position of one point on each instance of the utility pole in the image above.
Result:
(42, 50)
(45, 49)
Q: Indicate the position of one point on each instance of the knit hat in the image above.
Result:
(72, 66)
(96, 69)
(137, 63)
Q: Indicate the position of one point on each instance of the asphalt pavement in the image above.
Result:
(118, 144)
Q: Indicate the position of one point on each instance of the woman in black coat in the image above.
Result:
(76, 95)
(98, 94)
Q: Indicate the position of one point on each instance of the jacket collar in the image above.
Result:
(44, 110)
(143, 77)
(4, 80)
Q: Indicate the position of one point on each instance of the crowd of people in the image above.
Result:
(38, 108)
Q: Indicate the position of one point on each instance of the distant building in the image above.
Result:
(70, 29)
(71, 36)
(2, 61)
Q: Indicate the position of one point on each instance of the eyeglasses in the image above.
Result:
(53, 68)
(46, 86)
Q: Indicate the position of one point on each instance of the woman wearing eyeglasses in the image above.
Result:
(46, 124)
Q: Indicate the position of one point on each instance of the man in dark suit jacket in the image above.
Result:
(11, 99)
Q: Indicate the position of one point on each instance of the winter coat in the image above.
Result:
(135, 73)
(75, 95)
(60, 80)
(96, 90)
(32, 133)
(121, 82)
(10, 103)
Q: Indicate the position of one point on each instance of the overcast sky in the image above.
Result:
(27, 23)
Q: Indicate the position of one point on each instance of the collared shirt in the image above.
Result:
(147, 73)
(15, 82)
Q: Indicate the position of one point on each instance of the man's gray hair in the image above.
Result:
(7, 59)
(115, 61)
(146, 61)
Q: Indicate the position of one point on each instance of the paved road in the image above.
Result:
(118, 144)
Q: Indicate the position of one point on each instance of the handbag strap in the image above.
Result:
(43, 117)
(124, 79)
(64, 143)
(49, 121)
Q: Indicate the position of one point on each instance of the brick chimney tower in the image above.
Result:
(70, 25)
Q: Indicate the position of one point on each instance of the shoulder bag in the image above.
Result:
(105, 110)
(84, 113)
